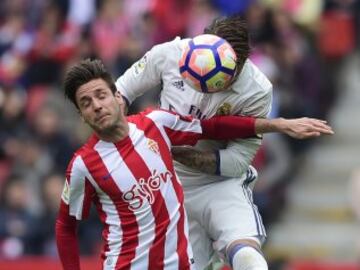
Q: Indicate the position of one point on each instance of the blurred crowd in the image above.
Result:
(298, 44)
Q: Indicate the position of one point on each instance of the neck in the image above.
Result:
(115, 133)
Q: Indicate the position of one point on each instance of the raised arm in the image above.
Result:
(208, 161)
(232, 127)
(187, 130)
(143, 75)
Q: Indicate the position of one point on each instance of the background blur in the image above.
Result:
(308, 191)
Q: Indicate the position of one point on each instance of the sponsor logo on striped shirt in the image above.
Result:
(145, 189)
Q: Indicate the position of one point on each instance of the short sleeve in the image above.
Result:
(179, 129)
(78, 191)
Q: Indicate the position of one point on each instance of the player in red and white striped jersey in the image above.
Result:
(126, 170)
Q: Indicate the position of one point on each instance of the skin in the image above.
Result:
(299, 128)
(102, 110)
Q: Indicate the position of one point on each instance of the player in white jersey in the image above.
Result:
(222, 216)
(126, 169)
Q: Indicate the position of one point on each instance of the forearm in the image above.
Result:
(268, 125)
(67, 245)
(237, 127)
(228, 127)
(204, 161)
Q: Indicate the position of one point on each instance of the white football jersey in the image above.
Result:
(251, 94)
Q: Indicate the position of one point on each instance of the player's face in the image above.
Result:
(99, 107)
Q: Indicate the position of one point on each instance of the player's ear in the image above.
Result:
(119, 98)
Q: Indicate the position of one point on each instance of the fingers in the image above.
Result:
(319, 126)
(323, 129)
(311, 134)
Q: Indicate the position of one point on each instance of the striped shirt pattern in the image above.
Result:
(137, 193)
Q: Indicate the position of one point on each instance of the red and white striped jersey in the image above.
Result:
(137, 192)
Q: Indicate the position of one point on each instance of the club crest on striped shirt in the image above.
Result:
(153, 146)
(224, 109)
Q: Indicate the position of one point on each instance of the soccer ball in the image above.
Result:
(208, 63)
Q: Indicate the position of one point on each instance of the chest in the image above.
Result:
(181, 98)
(133, 173)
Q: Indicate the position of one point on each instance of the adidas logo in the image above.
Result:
(179, 85)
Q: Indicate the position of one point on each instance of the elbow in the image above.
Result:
(236, 170)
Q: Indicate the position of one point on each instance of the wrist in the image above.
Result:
(269, 125)
(277, 124)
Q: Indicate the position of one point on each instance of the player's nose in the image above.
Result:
(97, 105)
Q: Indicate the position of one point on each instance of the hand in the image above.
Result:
(304, 128)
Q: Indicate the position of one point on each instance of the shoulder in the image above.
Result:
(169, 50)
(252, 80)
(156, 115)
(175, 44)
(254, 90)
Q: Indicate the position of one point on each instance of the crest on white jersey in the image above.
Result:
(153, 146)
(224, 109)
(65, 196)
(139, 66)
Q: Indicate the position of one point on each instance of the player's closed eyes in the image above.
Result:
(84, 104)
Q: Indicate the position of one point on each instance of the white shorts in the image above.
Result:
(220, 213)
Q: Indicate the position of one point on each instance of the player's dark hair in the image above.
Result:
(84, 72)
(234, 30)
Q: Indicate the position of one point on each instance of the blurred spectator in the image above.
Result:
(55, 42)
(48, 130)
(15, 43)
(32, 162)
(172, 17)
(110, 31)
(16, 222)
(232, 7)
(51, 189)
(81, 12)
(201, 15)
(12, 113)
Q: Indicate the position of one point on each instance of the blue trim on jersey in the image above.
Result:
(258, 220)
(235, 249)
(217, 156)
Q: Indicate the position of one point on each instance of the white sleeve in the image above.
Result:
(143, 75)
(238, 155)
(75, 194)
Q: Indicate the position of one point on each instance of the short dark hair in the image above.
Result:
(234, 30)
(84, 72)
